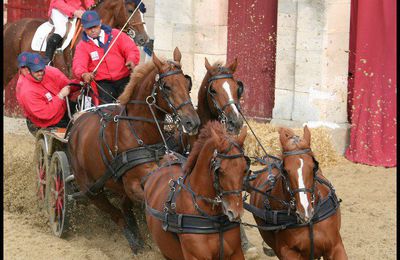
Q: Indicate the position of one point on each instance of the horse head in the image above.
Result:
(229, 165)
(174, 89)
(216, 167)
(299, 170)
(223, 94)
(117, 13)
(138, 30)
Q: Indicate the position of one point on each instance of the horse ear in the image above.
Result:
(284, 135)
(157, 62)
(207, 64)
(307, 135)
(233, 65)
(177, 55)
(242, 135)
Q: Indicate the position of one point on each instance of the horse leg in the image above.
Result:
(132, 231)
(338, 252)
(238, 255)
(286, 253)
(102, 202)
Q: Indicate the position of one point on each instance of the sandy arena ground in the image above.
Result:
(368, 213)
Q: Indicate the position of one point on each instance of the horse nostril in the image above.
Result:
(230, 215)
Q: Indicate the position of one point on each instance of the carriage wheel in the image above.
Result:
(58, 189)
(41, 163)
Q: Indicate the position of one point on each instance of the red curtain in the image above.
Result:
(372, 83)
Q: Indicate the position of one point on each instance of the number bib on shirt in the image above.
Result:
(94, 55)
(48, 96)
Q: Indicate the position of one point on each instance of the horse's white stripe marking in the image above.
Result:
(303, 195)
(227, 89)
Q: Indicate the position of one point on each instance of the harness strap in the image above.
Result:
(169, 73)
(192, 224)
(311, 240)
(131, 158)
(139, 118)
(276, 219)
(221, 76)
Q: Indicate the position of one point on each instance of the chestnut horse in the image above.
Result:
(219, 95)
(18, 35)
(189, 211)
(123, 142)
(295, 206)
(218, 99)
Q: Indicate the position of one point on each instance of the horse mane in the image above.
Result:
(136, 79)
(205, 137)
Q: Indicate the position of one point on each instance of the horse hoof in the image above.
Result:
(135, 244)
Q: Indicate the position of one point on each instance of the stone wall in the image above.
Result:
(197, 28)
(312, 65)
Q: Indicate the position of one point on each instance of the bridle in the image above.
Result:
(226, 74)
(129, 30)
(214, 170)
(285, 176)
(160, 85)
(216, 164)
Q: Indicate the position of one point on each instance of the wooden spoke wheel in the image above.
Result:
(41, 165)
(59, 206)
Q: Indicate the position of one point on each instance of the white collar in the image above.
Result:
(102, 37)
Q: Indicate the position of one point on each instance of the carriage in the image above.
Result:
(56, 189)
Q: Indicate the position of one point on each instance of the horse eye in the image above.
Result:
(212, 91)
(130, 11)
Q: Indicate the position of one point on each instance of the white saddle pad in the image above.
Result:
(39, 40)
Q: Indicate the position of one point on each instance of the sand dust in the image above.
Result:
(368, 212)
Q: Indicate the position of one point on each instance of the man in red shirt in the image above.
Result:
(59, 12)
(113, 73)
(41, 94)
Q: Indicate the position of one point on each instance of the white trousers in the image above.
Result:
(60, 22)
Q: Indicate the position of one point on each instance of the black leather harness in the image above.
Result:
(202, 223)
(275, 220)
(279, 219)
(121, 162)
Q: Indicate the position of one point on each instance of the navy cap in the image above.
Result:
(90, 19)
(23, 59)
(35, 62)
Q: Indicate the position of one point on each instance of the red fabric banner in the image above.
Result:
(373, 86)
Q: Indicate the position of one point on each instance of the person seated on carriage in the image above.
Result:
(41, 95)
(59, 12)
(113, 73)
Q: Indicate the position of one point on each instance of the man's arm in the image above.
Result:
(38, 107)
(129, 49)
(80, 63)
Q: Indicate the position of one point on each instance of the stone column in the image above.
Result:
(197, 28)
(312, 66)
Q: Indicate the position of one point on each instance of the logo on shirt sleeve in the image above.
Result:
(48, 96)
(94, 55)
